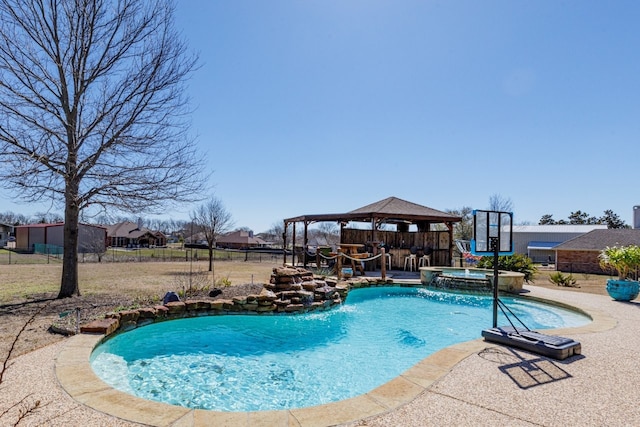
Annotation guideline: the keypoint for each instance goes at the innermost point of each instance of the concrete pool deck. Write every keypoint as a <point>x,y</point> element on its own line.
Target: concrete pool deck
<point>473,383</point>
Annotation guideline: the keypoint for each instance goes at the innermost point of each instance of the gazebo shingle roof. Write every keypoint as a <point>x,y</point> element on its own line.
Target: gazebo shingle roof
<point>391,208</point>
<point>394,206</point>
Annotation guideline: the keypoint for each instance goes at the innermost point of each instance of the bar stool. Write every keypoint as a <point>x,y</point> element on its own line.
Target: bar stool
<point>411,260</point>
<point>425,261</point>
<point>388,261</point>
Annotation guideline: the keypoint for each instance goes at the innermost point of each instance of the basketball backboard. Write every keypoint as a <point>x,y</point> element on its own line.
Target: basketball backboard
<point>492,230</point>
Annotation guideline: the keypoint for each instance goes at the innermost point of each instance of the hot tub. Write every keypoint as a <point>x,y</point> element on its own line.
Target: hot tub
<point>480,279</point>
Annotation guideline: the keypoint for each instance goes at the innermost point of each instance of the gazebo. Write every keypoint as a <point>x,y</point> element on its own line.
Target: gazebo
<point>382,216</point>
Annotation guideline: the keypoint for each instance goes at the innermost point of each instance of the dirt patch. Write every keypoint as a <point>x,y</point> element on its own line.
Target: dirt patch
<point>585,283</point>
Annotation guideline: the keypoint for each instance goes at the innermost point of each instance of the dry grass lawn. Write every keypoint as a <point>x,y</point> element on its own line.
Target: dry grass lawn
<point>146,280</point>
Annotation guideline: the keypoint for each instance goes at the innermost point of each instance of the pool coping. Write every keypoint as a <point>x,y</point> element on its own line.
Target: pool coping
<point>76,377</point>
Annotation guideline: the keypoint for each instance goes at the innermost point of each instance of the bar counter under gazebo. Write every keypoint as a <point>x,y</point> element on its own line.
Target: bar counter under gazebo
<point>400,227</point>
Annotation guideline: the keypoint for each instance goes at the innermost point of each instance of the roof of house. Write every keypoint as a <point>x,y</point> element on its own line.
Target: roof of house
<point>128,229</point>
<point>56,224</point>
<point>240,237</point>
<point>542,245</point>
<point>318,241</point>
<point>40,225</point>
<point>597,240</point>
<point>387,210</point>
<point>558,228</point>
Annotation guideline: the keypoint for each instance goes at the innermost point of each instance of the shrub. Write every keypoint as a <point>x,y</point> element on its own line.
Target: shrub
<point>192,284</point>
<point>561,280</point>
<point>516,262</point>
<point>223,282</point>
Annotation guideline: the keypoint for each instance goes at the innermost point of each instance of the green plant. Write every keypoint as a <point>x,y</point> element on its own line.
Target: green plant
<point>516,262</point>
<point>561,280</point>
<point>223,282</point>
<point>623,259</point>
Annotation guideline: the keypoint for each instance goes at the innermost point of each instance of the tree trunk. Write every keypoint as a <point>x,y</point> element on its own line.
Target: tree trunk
<point>69,284</point>
<point>211,267</point>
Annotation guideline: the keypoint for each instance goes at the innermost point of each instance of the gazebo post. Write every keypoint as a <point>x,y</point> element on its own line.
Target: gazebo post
<point>293,243</point>
<point>373,228</point>
<point>304,245</point>
<point>450,228</point>
<point>284,243</point>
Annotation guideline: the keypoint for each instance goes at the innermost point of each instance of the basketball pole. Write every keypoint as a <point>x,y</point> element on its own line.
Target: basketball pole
<point>492,231</point>
<point>494,245</point>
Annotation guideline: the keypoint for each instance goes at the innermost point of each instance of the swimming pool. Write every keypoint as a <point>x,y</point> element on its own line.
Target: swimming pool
<point>255,363</point>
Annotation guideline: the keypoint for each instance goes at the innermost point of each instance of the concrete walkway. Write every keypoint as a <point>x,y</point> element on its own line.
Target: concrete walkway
<point>475,383</point>
<point>502,386</point>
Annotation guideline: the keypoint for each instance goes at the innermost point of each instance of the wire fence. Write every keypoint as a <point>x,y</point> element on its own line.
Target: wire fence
<point>51,255</point>
<point>49,250</point>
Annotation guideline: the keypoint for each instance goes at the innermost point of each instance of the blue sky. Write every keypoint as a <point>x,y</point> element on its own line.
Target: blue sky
<point>307,107</point>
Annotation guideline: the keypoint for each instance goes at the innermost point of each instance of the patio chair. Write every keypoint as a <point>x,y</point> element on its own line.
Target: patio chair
<point>411,261</point>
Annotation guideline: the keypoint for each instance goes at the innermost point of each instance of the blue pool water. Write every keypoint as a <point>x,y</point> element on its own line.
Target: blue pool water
<point>255,363</point>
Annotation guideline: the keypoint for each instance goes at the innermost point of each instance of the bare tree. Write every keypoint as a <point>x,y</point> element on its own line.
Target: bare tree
<point>500,204</point>
<point>275,234</point>
<point>463,230</point>
<point>93,240</point>
<point>212,219</point>
<point>11,218</point>
<point>329,231</point>
<point>46,217</point>
<point>92,110</point>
